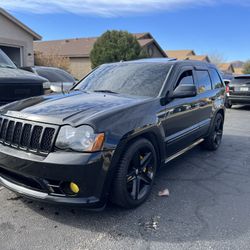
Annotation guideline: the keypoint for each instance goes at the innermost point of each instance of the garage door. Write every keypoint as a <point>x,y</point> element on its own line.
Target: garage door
<point>13,53</point>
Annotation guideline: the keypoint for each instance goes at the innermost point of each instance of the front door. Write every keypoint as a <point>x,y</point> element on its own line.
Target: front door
<point>182,116</point>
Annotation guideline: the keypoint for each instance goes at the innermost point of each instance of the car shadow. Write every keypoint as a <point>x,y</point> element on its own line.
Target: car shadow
<point>241,107</point>
<point>209,200</point>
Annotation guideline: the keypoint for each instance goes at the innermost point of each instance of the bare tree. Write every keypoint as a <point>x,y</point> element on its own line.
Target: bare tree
<point>52,60</point>
<point>217,58</point>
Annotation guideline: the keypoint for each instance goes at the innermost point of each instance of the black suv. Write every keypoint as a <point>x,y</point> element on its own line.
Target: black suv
<point>107,137</point>
<point>16,84</point>
<point>238,91</point>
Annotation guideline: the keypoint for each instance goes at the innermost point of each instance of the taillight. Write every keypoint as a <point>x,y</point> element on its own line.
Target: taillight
<point>227,89</point>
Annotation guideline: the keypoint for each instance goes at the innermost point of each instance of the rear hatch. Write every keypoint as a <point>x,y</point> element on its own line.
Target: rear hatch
<point>240,86</point>
<point>16,84</point>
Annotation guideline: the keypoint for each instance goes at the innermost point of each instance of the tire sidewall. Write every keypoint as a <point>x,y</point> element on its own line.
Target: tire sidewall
<point>127,157</point>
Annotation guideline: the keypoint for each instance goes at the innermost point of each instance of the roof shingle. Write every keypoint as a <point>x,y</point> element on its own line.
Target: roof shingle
<point>81,47</point>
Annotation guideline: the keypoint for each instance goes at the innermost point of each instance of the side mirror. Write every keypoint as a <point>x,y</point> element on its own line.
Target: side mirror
<point>183,91</point>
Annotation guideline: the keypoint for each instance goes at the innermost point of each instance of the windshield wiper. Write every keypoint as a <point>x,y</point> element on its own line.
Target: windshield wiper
<point>105,91</point>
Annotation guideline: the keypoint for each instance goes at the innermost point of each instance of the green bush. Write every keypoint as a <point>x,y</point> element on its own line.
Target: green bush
<point>115,46</point>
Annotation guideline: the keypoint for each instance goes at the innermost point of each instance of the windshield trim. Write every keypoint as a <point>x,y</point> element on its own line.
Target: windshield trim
<point>165,81</point>
<point>169,68</point>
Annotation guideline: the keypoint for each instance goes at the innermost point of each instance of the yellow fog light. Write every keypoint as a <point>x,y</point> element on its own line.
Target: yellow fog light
<point>74,188</point>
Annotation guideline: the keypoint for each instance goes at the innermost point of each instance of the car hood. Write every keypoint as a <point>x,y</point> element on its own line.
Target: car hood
<point>19,76</point>
<point>74,108</point>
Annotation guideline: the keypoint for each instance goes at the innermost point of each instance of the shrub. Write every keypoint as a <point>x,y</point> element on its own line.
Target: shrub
<point>115,46</point>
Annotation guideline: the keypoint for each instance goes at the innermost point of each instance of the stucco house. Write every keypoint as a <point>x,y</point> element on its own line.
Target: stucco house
<point>187,55</point>
<point>226,68</point>
<point>16,39</point>
<point>180,54</point>
<point>78,51</point>
<point>238,71</point>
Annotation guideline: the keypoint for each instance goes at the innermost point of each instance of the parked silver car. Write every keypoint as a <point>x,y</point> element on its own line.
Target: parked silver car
<point>58,80</point>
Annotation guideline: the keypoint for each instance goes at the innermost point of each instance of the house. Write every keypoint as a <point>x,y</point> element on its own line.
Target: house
<point>78,51</point>
<point>203,58</point>
<point>226,68</point>
<point>187,55</point>
<point>16,39</point>
<point>238,71</point>
<point>180,54</point>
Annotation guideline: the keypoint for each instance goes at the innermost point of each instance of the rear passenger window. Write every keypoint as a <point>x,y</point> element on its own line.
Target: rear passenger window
<point>216,80</point>
<point>186,78</point>
<point>204,81</point>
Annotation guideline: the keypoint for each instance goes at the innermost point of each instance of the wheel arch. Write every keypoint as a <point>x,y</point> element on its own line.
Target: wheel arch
<point>219,111</point>
<point>153,135</point>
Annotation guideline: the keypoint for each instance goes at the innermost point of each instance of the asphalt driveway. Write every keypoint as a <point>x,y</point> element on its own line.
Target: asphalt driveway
<point>208,207</point>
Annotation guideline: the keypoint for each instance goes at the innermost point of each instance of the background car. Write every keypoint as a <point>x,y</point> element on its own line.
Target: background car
<point>16,84</point>
<point>238,91</point>
<point>58,80</point>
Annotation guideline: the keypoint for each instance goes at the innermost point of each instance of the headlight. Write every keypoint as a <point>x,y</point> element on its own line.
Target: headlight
<point>46,85</point>
<point>79,139</point>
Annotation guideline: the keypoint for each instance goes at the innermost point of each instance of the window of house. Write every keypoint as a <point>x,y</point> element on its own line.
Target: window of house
<point>204,81</point>
<point>216,80</point>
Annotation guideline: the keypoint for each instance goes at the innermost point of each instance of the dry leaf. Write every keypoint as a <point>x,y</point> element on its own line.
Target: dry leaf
<point>164,192</point>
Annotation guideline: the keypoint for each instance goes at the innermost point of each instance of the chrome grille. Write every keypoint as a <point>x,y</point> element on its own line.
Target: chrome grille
<point>25,135</point>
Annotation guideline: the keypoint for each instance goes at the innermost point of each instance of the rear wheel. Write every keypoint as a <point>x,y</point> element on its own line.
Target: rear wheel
<point>228,105</point>
<point>213,141</point>
<point>135,174</point>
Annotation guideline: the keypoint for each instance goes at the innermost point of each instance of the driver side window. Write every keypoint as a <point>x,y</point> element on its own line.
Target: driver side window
<point>186,78</point>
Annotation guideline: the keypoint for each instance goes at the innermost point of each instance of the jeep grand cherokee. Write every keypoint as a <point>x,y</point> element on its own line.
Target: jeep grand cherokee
<point>108,136</point>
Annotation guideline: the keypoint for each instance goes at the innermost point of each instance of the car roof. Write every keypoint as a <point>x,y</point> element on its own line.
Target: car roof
<point>174,61</point>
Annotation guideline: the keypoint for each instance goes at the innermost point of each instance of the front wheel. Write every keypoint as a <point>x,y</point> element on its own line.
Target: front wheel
<point>135,174</point>
<point>213,141</point>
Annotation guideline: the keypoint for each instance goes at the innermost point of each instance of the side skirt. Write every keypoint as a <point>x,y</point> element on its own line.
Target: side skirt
<point>183,151</point>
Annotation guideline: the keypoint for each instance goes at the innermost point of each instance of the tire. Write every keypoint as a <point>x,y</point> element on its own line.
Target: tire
<point>213,141</point>
<point>135,174</point>
<point>228,105</point>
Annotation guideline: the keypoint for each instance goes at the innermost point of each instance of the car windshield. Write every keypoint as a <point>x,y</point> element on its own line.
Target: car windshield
<point>55,75</point>
<point>5,61</point>
<point>139,79</point>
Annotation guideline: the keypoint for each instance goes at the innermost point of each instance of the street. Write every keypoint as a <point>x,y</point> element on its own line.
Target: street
<point>208,207</point>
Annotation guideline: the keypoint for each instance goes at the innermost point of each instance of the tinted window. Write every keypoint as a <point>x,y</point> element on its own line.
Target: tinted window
<point>54,75</point>
<point>204,82</point>
<point>186,78</point>
<point>216,80</point>
<point>140,79</point>
<point>240,80</point>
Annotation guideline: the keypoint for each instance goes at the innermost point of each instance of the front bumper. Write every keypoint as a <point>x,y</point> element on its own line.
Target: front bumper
<point>44,178</point>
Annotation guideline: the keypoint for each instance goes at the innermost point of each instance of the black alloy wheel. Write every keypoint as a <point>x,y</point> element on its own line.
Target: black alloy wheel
<point>140,173</point>
<point>218,131</point>
<point>213,140</point>
<point>135,174</point>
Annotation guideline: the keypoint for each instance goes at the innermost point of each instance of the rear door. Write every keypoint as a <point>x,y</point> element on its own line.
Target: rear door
<point>206,98</point>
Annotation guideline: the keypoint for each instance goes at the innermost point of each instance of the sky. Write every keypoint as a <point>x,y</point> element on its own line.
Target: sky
<point>207,26</point>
